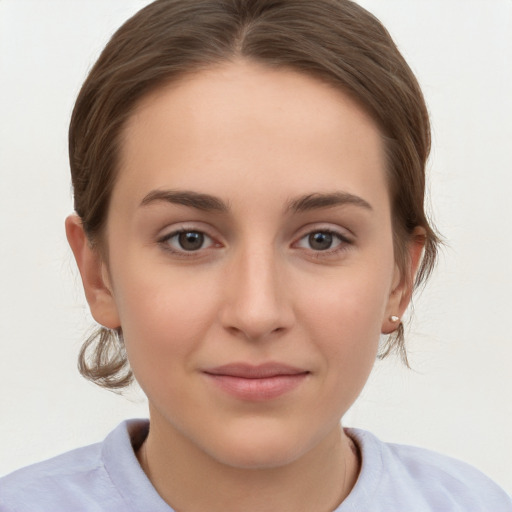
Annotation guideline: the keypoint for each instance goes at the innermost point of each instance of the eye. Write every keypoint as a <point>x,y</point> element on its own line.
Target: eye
<point>187,240</point>
<point>322,240</point>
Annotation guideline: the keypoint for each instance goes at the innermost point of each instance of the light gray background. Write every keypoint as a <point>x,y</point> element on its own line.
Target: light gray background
<point>458,398</point>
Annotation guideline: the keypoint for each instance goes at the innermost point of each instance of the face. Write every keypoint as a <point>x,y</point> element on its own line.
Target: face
<point>250,260</point>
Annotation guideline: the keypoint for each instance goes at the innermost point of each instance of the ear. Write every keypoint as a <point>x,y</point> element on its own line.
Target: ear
<point>93,271</point>
<point>403,282</point>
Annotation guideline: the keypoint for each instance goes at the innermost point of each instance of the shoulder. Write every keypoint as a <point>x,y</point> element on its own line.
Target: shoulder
<point>53,482</point>
<point>77,480</point>
<point>425,480</point>
<point>444,480</point>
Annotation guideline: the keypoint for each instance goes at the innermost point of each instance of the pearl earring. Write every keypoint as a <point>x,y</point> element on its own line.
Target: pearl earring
<point>394,318</point>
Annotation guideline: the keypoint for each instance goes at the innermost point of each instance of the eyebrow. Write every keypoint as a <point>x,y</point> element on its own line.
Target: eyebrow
<point>207,202</point>
<point>319,200</point>
<point>196,200</point>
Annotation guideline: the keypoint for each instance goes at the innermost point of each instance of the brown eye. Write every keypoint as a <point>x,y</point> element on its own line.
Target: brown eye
<point>191,240</point>
<point>185,240</point>
<point>320,241</point>
<point>324,240</point>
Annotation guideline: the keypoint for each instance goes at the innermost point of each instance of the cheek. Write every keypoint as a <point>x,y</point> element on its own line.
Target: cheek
<point>347,327</point>
<point>349,355</point>
<point>164,317</point>
<point>351,301</point>
<point>344,318</point>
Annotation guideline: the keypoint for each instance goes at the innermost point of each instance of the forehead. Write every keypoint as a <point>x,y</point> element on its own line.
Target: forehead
<point>244,124</point>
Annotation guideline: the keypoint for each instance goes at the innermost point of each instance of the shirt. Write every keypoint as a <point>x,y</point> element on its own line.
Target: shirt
<point>107,477</point>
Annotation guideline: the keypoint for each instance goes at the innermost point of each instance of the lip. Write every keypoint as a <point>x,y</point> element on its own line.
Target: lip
<point>256,382</point>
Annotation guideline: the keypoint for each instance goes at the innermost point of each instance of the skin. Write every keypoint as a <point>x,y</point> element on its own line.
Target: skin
<point>257,290</point>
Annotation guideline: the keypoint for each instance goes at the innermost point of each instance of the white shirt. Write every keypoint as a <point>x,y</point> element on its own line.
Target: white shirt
<point>107,477</point>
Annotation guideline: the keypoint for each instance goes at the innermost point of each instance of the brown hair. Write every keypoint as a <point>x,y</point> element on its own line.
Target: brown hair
<point>333,40</point>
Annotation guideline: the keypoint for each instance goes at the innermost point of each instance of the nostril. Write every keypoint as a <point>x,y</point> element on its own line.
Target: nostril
<point>253,333</point>
<point>254,304</point>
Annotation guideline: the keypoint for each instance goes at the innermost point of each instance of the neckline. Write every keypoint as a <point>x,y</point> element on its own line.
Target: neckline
<point>119,454</point>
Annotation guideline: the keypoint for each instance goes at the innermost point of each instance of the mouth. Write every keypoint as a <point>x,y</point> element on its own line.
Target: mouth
<point>256,383</point>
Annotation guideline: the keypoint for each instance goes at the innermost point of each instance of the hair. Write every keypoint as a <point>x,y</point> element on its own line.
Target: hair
<point>336,41</point>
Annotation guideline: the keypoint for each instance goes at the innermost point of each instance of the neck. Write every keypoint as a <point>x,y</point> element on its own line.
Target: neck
<point>190,480</point>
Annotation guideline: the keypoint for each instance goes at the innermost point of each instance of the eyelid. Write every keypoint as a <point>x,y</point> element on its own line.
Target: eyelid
<point>335,235</point>
<point>163,241</point>
<point>345,241</point>
<point>345,237</point>
<point>343,232</point>
<point>181,226</point>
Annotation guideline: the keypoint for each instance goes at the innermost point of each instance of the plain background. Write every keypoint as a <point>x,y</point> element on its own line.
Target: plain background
<point>457,399</point>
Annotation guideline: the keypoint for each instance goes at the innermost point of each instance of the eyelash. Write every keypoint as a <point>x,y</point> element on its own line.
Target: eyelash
<point>343,243</point>
<point>165,242</point>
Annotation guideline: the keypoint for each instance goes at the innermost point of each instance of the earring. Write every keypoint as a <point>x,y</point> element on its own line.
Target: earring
<point>394,318</point>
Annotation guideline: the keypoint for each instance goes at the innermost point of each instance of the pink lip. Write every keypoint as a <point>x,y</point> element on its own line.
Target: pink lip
<point>256,383</point>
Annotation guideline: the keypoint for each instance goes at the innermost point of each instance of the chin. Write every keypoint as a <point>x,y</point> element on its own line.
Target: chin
<point>259,457</point>
<point>260,448</point>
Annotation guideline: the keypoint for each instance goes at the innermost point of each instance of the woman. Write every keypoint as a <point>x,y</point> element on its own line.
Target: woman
<point>249,187</point>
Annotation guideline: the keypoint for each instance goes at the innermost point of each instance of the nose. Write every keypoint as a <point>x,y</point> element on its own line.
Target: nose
<point>256,299</point>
